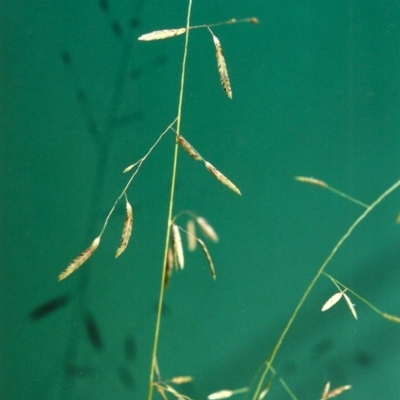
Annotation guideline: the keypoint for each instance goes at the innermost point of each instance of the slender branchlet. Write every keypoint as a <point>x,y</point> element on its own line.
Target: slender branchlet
<point>318,182</point>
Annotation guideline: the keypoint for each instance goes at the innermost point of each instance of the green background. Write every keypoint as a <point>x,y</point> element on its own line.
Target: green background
<point>316,92</point>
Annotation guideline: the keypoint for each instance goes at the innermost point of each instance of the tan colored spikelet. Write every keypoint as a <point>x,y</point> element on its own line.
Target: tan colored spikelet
<point>208,256</point>
<point>207,229</point>
<point>191,235</point>
<point>254,20</point>
<point>189,148</point>
<point>326,390</point>
<point>126,231</point>
<point>223,71</point>
<point>161,391</point>
<point>225,394</point>
<point>179,380</point>
<point>177,246</point>
<point>162,34</point>
<point>169,266</point>
<point>311,181</point>
<point>170,389</point>
<point>332,301</point>
<point>128,168</point>
<point>265,390</point>
<point>336,392</point>
<point>78,261</point>
<point>222,394</point>
<point>222,178</point>
<point>392,318</point>
<point>351,305</point>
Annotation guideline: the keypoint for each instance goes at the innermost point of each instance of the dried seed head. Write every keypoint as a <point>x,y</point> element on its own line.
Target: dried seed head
<point>222,178</point>
<point>332,301</point>
<point>351,305</point>
<point>222,394</point>
<point>254,20</point>
<point>334,392</point>
<point>208,256</point>
<point>179,380</point>
<point>207,230</point>
<point>265,390</point>
<point>189,148</point>
<point>326,390</point>
<point>225,394</point>
<point>191,235</point>
<point>126,231</point>
<point>162,34</point>
<point>392,318</point>
<point>78,261</point>
<point>222,69</point>
<point>177,246</point>
<point>169,266</point>
<point>312,181</point>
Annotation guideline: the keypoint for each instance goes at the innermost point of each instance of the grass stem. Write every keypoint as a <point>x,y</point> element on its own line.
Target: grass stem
<point>170,209</point>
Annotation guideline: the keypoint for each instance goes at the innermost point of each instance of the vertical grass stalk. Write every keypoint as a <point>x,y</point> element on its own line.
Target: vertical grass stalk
<point>170,209</point>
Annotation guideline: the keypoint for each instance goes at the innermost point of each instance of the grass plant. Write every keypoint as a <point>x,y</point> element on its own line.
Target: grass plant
<point>173,253</point>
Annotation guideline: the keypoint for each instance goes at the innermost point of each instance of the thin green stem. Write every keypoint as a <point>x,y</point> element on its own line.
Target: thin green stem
<point>170,209</point>
<point>271,359</point>
<point>346,196</point>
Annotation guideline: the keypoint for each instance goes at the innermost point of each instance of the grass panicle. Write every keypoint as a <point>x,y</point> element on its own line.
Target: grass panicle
<point>126,231</point>
<point>78,261</point>
<point>191,235</point>
<point>222,178</point>
<point>222,68</point>
<point>207,230</point>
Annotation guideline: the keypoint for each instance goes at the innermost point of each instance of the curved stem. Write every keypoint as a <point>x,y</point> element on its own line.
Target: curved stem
<point>271,359</point>
<point>170,209</point>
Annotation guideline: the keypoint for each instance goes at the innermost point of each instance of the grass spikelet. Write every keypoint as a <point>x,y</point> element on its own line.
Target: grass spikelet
<point>207,230</point>
<point>208,256</point>
<point>311,181</point>
<point>177,246</point>
<point>222,394</point>
<point>351,305</point>
<point>326,390</point>
<point>169,267</point>
<point>265,391</point>
<point>126,231</point>
<point>332,301</point>
<point>335,392</point>
<point>189,148</point>
<point>179,380</point>
<point>191,235</point>
<point>162,34</point>
<point>222,178</point>
<point>392,318</point>
<point>222,69</point>
<point>161,391</point>
<point>225,394</point>
<point>78,261</point>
